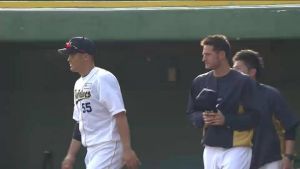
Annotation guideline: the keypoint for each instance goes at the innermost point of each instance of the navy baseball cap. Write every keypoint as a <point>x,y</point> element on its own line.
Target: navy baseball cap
<point>78,45</point>
<point>206,100</point>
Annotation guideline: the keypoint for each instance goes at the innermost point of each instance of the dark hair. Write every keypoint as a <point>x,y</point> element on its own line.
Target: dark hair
<point>219,43</point>
<point>252,60</point>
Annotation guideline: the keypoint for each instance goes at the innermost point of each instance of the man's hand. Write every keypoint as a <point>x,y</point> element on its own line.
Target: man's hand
<point>213,118</point>
<point>130,159</point>
<point>287,163</point>
<point>68,163</point>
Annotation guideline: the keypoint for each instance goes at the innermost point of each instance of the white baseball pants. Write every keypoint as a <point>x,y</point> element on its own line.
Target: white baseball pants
<point>232,158</point>
<point>107,155</point>
<point>272,165</point>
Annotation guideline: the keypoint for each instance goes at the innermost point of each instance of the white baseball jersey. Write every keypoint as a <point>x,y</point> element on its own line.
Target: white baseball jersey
<point>97,98</point>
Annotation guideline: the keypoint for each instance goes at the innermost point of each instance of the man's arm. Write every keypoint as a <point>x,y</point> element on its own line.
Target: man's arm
<point>130,159</point>
<point>247,115</point>
<point>287,161</point>
<point>289,121</point>
<point>75,145</point>
<point>195,117</point>
<point>289,149</point>
<point>69,160</point>
<point>247,120</point>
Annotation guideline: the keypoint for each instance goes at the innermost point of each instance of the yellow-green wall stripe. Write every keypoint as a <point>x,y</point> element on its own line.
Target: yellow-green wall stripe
<point>128,4</point>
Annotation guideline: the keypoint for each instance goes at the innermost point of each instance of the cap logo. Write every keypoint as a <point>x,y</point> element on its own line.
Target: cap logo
<point>68,45</point>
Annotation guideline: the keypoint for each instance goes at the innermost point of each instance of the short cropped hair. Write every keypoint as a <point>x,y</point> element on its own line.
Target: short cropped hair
<point>252,60</point>
<point>219,43</point>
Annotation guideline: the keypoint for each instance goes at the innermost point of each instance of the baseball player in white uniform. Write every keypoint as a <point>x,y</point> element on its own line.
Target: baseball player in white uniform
<point>101,122</point>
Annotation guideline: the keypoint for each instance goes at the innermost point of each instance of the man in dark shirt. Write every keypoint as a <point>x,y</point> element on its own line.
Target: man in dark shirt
<point>222,102</point>
<point>275,116</point>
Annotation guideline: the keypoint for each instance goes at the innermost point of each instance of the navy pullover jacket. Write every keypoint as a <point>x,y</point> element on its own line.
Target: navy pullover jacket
<point>235,96</point>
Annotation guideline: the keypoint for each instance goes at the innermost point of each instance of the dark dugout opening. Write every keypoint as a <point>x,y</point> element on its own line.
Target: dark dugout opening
<point>155,78</point>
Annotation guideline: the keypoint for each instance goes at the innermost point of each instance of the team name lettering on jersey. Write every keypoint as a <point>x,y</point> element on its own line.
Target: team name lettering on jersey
<point>80,95</point>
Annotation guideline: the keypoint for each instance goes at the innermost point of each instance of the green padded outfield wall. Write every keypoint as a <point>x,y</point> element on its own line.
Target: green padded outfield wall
<point>127,24</point>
